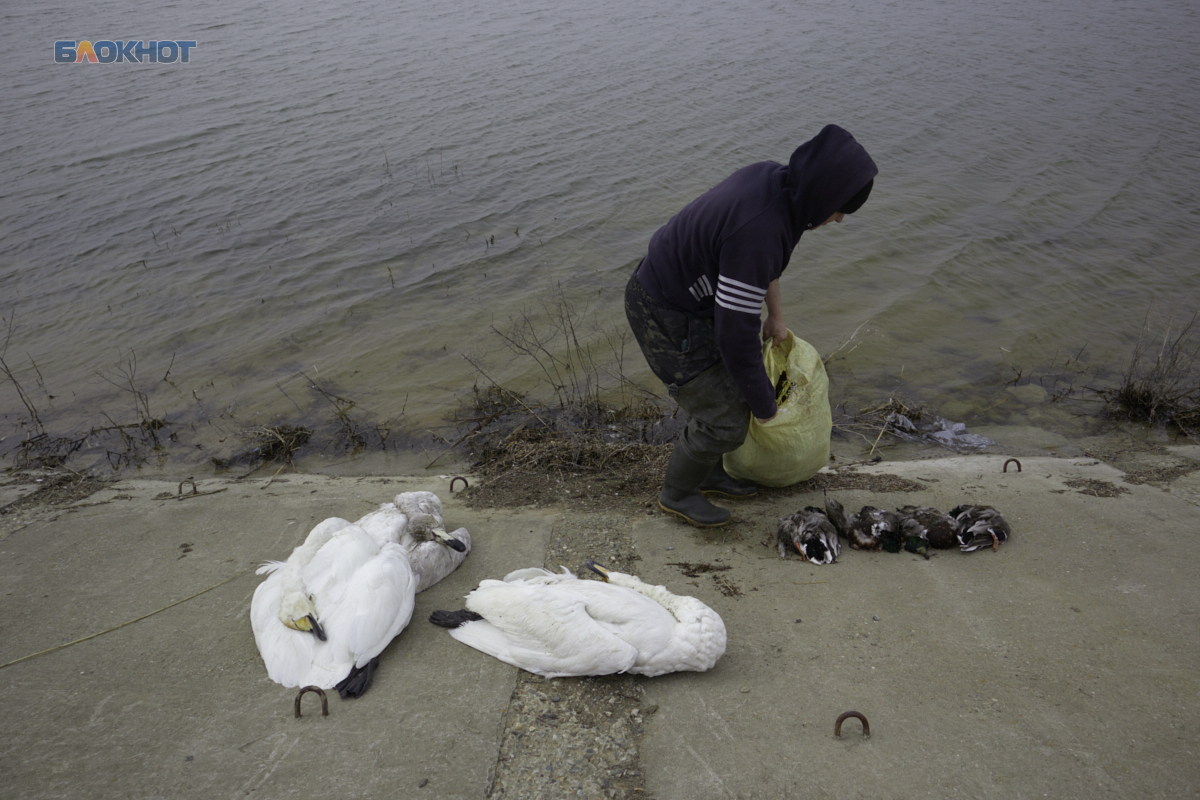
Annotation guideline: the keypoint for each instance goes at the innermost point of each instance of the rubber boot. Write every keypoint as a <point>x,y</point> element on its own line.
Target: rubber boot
<point>681,496</point>
<point>719,482</point>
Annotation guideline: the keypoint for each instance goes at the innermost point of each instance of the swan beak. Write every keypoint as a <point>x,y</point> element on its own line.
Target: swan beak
<point>448,540</point>
<point>309,624</point>
<point>596,568</point>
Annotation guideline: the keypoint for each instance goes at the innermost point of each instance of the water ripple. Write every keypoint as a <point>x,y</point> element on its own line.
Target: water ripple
<point>356,188</point>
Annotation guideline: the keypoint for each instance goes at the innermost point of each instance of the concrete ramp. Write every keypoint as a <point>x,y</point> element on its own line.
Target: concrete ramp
<point>1064,665</point>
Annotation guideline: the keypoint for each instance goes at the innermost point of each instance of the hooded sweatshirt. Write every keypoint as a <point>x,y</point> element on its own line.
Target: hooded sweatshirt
<point>717,257</point>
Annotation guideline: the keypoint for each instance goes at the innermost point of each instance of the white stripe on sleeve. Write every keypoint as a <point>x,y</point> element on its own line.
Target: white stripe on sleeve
<point>733,284</point>
<point>738,296</point>
<point>733,306</point>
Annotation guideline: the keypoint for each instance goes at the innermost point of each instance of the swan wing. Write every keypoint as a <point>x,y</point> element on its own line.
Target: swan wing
<point>376,606</point>
<point>695,646</point>
<point>633,617</point>
<point>672,632</point>
<point>323,531</point>
<point>542,628</point>
<point>387,524</point>
<point>327,576</point>
<point>540,575</point>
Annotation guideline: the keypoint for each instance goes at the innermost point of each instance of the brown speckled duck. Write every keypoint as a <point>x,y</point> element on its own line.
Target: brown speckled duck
<point>936,527</point>
<point>871,527</point>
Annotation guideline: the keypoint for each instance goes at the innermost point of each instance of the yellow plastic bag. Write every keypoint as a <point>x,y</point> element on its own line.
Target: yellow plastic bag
<point>793,445</point>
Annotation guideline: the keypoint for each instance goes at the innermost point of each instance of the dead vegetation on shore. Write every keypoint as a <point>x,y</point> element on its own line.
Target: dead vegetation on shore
<point>1158,387</point>
<point>124,443</point>
<point>136,434</point>
<point>265,444</point>
<point>585,432</point>
<point>872,423</point>
<point>1161,386</point>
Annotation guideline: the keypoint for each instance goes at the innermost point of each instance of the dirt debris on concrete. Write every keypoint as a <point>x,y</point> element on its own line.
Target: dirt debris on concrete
<point>630,481</point>
<point>585,477</point>
<point>572,737</point>
<point>57,491</point>
<point>601,537</point>
<point>1142,462</point>
<point>1096,488</point>
<point>849,479</point>
<point>576,737</point>
<point>694,570</point>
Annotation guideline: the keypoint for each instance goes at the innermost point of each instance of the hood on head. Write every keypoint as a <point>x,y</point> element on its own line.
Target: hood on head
<point>824,173</point>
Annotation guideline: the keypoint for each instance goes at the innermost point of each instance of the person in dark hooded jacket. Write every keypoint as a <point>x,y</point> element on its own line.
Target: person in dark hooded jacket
<point>695,301</point>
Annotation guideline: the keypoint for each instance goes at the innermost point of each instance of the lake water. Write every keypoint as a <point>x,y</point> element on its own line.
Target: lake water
<point>355,194</point>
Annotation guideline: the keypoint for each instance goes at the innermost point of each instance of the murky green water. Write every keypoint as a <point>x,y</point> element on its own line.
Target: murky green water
<point>355,195</point>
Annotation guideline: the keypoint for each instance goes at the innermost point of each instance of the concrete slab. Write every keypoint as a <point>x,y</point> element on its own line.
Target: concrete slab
<point>179,704</point>
<point>11,491</point>
<point>1191,451</point>
<point>1064,665</point>
<point>1187,488</point>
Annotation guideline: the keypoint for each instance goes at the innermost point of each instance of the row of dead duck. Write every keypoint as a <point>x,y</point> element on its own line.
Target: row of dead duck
<point>817,533</point>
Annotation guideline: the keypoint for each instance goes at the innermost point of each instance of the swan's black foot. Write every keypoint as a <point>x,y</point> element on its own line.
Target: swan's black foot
<point>453,619</point>
<point>354,684</point>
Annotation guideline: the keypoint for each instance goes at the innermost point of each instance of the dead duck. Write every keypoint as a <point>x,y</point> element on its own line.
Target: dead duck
<point>812,533</point>
<point>837,516</point>
<point>935,527</point>
<point>911,537</point>
<point>979,526</point>
<point>871,528</point>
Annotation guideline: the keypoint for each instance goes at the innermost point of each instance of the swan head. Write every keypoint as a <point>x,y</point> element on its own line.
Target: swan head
<point>424,512</point>
<point>425,527</point>
<point>598,569</point>
<point>297,612</point>
<point>307,624</point>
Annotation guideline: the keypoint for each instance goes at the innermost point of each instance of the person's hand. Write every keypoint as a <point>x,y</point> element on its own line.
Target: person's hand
<point>775,329</point>
<point>768,419</point>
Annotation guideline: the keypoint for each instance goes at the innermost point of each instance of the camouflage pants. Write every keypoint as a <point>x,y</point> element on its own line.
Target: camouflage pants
<point>681,350</point>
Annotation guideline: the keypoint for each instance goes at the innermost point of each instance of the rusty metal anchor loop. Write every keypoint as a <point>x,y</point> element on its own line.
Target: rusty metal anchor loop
<point>837,726</point>
<point>318,690</point>
<point>195,490</point>
<point>1012,461</point>
<point>458,478</point>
